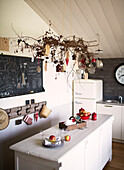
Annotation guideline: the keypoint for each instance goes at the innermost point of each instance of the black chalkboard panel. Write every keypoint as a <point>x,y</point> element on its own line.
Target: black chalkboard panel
<point>19,76</point>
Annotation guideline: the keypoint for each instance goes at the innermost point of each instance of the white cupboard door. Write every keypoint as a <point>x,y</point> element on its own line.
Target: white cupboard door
<point>88,105</point>
<point>90,89</point>
<point>105,144</point>
<point>91,152</point>
<point>85,90</point>
<point>112,110</point>
<point>122,121</point>
<point>74,159</point>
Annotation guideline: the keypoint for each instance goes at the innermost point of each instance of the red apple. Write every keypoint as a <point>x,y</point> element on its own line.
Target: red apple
<point>85,114</point>
<point>81,114</point>
<point>67,137</point>
<point>88,113</point>
<point>52,138</point>
<point>81,110</point>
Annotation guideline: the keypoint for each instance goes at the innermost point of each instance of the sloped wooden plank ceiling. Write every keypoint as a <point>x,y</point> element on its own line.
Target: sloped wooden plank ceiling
<point>86,19</point>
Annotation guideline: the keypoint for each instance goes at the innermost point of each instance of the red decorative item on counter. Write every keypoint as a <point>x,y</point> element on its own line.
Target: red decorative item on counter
<point>36,116</point>
<point>94,116</point>
<point>72,118</point>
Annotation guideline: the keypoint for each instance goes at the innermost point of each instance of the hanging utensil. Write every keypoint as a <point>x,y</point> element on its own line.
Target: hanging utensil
<point>38,67</point>
<point>47,48</point>
<point>91,69</point>
<point>99,63</point>
<point>99,48</point>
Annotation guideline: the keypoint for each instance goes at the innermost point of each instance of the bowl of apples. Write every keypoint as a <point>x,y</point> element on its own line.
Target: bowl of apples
<point>83,114</point>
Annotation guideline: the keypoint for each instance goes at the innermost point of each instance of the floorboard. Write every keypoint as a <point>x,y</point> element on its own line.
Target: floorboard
<point>117,162</point>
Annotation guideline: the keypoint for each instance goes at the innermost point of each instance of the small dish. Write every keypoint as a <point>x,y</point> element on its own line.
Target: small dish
<point>83,117</point>
<point>50,144</point>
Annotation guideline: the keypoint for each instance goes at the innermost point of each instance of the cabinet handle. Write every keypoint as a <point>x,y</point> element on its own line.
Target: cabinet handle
<point>78,93</point>
<point>76,102</point>
<point>86,144</point>
<point>108,106</point>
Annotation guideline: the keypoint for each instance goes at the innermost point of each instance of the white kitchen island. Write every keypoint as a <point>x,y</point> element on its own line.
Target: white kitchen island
<point>89,149</point>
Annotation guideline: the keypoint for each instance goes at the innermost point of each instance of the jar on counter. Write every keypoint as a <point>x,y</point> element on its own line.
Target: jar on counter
<point>94,116</point>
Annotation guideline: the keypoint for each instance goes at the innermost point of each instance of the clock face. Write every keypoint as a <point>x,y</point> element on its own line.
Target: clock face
<point>119,74</point>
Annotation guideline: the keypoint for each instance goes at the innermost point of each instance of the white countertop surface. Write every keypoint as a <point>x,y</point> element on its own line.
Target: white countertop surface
<point>33,145</point>
<point>109,103</point>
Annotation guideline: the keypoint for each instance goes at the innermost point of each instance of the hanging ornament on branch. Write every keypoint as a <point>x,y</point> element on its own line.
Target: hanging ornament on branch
<point>67,58</point>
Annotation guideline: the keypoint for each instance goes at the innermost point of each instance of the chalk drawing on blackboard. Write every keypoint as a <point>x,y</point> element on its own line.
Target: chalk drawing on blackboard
<point>3,63</point>
<point>34,84</point>
<point>20,76</point>
<point>39,83</point>
<point>13,68</point>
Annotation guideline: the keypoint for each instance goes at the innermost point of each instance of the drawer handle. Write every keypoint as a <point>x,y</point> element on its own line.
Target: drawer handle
<point>78,93</point>
<point>76,102</point>
<point>108,106</point>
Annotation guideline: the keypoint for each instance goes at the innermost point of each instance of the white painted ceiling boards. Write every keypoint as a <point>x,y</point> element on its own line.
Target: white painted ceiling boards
<point>86,19</point>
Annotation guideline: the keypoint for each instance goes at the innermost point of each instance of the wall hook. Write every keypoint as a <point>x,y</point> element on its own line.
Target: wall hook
<point>35,108</point>
<point>28,109</point>
<point>8,111</point>
<point>18,111</point>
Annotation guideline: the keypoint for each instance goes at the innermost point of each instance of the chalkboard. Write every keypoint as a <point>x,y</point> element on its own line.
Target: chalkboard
<point>19,76</point>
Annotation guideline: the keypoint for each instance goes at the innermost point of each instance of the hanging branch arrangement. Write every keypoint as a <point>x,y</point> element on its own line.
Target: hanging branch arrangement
<point>58,50</point>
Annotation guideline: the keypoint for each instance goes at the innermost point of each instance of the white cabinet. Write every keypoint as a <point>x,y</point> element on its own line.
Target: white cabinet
<point>116,111</point>
<point>86,93</point>
<point>122,115</point>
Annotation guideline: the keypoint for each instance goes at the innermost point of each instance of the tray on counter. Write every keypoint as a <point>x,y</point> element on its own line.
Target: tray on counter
<point>72,127</point>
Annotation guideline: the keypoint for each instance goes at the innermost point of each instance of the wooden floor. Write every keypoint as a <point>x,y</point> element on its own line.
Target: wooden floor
<point>117,162</point>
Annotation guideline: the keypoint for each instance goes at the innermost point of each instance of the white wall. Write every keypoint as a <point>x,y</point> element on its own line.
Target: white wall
<point>58,93</point>
<point>26,22</point>
<point>24,19</point>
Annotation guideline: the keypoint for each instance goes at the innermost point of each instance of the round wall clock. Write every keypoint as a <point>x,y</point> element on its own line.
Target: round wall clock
<point>119,74</point>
